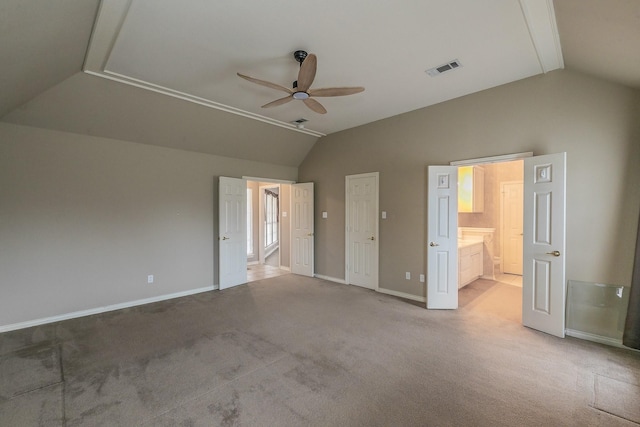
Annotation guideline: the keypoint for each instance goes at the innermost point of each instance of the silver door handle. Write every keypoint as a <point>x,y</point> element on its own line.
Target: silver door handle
<point>432,244</point>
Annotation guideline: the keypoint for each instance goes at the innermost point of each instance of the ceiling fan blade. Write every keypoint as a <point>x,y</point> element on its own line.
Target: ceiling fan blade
<point>265,83</point>
<point>314,105</point>
<point>278,102</point>
<point>307,72</point>
<point>335,91</point>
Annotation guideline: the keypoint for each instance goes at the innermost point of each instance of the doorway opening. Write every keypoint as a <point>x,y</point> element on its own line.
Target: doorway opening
<point>490,237</point>
<point>543,293</point>
<point>268,236</point>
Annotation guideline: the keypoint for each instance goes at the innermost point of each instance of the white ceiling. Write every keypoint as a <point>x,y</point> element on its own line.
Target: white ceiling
<point>193,49</point>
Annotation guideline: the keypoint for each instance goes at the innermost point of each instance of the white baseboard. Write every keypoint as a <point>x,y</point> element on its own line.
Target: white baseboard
<point>402,295</point>
<point>330,279</point>
<point>596,338</point>
<point>253,262</point>
<point>98,310</point>
<point>282,267</point>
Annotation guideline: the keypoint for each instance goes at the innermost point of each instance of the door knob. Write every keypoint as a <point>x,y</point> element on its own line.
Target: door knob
<point>372,238</point>
<point>224,238</point>
<point>310,234</point>
<point>433,244</point>
<point>554,253</point>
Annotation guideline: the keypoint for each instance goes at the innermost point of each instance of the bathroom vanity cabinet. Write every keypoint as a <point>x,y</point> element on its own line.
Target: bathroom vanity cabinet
<point>470,189</point>
<point>469,262</point>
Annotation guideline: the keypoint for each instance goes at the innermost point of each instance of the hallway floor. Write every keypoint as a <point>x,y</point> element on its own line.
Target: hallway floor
<point>263,271</point>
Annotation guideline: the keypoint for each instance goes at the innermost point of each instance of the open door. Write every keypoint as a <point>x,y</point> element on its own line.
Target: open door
<point>543,273</point>
<point>232,229</point>
<point>302,229</point>
<point>442,252</point>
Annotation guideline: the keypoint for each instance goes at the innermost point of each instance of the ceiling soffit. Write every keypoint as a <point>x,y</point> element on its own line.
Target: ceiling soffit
<point>192,51</point>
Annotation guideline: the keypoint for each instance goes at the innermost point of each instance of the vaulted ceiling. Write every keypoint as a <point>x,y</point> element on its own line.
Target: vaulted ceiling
<point>163,72</point>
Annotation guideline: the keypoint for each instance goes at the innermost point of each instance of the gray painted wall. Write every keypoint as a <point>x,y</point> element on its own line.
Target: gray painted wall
<point>595,122</point>
<point>84,220</point>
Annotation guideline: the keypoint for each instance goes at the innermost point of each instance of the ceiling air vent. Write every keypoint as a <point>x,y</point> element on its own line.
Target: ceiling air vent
<point>444,68</point>
<point>299,123</point>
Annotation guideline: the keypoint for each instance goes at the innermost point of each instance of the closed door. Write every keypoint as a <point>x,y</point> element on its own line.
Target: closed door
<point>362,230</point>
<point>232,228</point>
<point>512,216</point>
<point>302,229</point>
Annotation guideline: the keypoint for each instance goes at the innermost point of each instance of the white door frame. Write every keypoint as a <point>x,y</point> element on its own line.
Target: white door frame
<point>376,254</point>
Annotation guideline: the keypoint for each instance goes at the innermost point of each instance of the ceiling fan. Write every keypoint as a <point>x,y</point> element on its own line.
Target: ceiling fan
<point>302,87</point>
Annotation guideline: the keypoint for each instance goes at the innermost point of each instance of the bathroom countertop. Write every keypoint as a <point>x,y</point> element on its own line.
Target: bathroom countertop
<point>463,243</point>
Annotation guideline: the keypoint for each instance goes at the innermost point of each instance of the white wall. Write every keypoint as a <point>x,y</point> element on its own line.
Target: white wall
<point>84,220</point>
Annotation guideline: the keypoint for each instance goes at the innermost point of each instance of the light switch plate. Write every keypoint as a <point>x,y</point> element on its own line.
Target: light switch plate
<point>324,214</point>
<point>384,214</point>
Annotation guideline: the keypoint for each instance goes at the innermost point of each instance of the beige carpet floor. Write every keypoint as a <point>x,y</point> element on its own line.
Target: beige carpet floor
<point>296,351</point>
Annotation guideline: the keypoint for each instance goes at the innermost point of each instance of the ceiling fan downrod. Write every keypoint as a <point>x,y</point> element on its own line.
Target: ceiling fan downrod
<point>300,56</point>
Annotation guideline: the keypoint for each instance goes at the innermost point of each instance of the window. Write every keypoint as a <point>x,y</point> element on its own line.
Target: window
<point>270,218</point>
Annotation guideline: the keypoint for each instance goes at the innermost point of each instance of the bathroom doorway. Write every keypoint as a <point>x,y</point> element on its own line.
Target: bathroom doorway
<point>490,228</point>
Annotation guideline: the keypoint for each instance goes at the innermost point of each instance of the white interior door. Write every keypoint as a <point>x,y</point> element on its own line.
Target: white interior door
<point>232,230</point>
<point>442,249</point>
<point>302,229</point>
<point>512,217</point>
<point>543,281</point>
<point>362,230</point>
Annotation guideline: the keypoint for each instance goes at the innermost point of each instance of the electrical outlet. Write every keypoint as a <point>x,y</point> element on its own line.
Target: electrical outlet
<point>407,275</point>
<point>150,278</point>
<point>422,278</point>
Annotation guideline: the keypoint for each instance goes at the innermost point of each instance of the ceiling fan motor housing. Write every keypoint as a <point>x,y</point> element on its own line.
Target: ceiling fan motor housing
<point>300,55</point>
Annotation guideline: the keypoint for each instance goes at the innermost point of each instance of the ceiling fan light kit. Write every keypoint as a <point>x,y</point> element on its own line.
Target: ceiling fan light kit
<point>302,86</point>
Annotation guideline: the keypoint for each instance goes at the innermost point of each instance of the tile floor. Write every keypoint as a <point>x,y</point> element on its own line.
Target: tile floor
<point>263,271</point>
<point>509,279</point>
